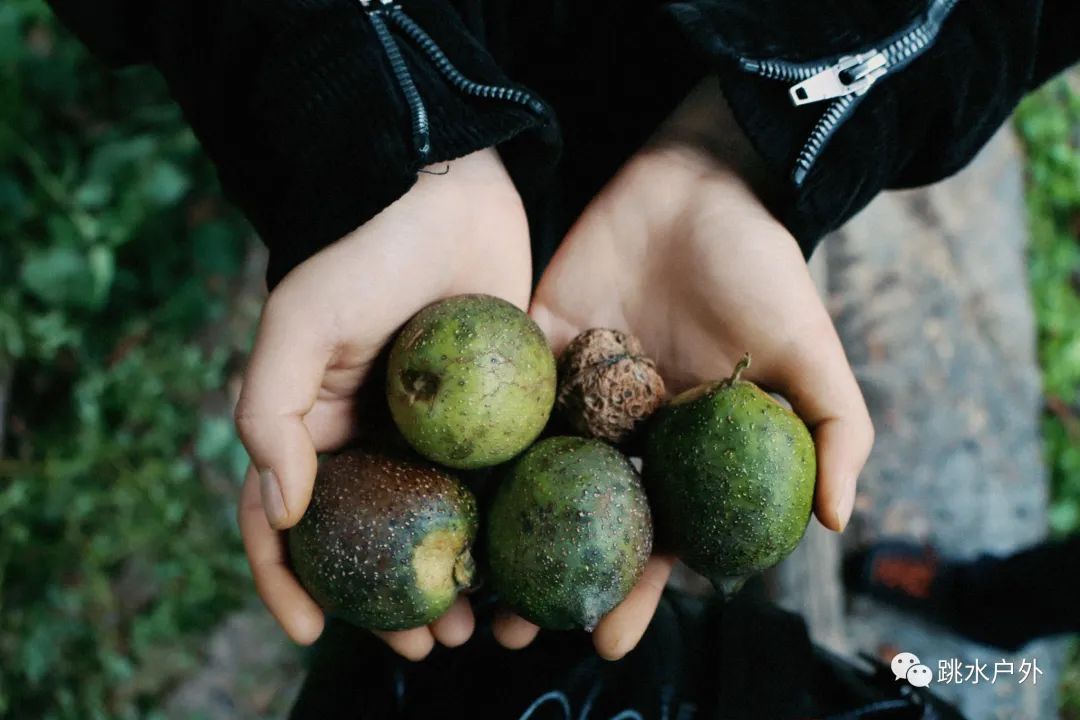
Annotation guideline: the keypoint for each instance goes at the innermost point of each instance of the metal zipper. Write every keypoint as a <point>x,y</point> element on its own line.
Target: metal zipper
<point>377,10</point>
<point>454,76</point>
<point>845,80</point>
<point>417,109</point>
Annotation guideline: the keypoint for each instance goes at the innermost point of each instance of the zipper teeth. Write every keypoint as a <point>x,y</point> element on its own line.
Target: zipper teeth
<point>417,110</point>
<point>916,39</point>
<point>454,76</point>
<point>908,46</point>
<point>781,69</point>
<point>823,130</point>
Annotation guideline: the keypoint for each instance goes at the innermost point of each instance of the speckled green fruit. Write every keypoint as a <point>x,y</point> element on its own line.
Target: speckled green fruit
<point>471,381</point>
<point>568,533</point>
<point>731,475</point>
<point>386,541</point>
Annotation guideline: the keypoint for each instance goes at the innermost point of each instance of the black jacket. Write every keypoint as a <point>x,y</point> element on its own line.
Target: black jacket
<point>299,105</point>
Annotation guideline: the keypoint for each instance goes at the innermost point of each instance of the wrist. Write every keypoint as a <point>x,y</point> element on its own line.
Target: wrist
<point>704,126</point>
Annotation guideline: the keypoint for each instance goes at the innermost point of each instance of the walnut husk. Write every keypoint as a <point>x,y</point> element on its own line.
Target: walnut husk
<point>607,385</point>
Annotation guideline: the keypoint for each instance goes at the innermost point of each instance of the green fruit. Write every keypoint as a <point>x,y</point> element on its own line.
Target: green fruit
<point>568,533</point>
<point>471,381</point>
<point>385,542</point>
<point>731,475</point>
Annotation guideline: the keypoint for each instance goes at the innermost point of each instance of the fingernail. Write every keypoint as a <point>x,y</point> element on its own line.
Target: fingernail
<point>846,504</point>
<point>272,499</point>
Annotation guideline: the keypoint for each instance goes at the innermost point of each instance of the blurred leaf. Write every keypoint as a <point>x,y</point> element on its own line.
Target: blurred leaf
<point>216,249</point>
<point>102,270</point>
<point>216,437</point>
<point>93,194</point>
<point>59,276</point>
<point>13,200</point>
<point>165,183</point>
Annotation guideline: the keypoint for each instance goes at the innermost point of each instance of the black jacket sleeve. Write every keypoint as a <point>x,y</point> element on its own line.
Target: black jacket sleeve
<point>915,126</point>
<point>299,106</point>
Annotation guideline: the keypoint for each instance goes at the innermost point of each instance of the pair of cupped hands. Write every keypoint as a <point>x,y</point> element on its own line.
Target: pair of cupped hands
<point>677,249</point>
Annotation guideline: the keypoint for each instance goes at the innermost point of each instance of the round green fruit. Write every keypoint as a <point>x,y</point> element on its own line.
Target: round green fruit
<point>471,381</point>
<point>568,533</point>
<point>385,542</point>
<point>731,475</point>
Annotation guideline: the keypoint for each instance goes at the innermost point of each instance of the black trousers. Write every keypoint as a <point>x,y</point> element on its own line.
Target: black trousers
<point>1009,601</point>
<point>746,659</point>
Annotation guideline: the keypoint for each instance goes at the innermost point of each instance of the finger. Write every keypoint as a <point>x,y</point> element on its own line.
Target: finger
<point>331,424</point>
<point>621,629</point>
<point>824,393</point>
<point>291,606</point>
<point>412,644</point>
<point>513,632</point>
<point>280,387</point>
<point>456,626</point>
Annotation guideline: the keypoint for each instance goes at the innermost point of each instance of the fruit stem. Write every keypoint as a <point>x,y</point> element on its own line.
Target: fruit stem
<point>737,374</point>
<point>728,587</point>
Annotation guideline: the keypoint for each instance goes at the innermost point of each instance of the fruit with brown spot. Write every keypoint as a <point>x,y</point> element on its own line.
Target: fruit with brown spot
<point>386,541</point>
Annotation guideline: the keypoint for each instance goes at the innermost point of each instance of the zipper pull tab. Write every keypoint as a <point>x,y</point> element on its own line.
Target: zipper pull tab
<point>853,74</point>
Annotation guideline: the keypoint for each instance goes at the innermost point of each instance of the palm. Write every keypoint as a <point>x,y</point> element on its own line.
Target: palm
<point>678,251</point>
<point>682,278</point>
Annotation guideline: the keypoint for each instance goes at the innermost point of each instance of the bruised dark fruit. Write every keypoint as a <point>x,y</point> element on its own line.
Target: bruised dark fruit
<point>607,386</point>
<point>568,533</point>
<point>731,475</point>
<point>385,542</point>
<point>471,381</point>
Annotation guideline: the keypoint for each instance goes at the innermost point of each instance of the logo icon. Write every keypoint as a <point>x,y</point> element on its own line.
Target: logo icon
<point>919,676</point>
<point>906,666</point>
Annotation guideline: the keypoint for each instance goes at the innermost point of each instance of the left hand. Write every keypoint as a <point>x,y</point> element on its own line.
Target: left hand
<point>679,251</point>
<point>321,333</point>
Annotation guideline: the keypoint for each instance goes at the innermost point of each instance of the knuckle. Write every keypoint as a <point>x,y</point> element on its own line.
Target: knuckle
<point>246,421</point>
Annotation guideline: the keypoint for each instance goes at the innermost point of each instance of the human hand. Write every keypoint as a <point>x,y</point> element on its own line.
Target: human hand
<point>321,330</point>
<point>679,251</point>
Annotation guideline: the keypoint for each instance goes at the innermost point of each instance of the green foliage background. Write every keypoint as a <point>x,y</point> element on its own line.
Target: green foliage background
<point>118,549</point>
<point>116,256</point>
<point>1049,125</point>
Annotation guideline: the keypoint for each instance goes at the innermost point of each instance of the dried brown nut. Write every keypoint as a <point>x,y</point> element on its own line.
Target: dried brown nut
<point>607,386</point>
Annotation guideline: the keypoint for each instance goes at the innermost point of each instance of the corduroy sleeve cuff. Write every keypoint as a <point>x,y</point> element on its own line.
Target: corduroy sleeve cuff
<point>918,123</point>
<point>301,109</point>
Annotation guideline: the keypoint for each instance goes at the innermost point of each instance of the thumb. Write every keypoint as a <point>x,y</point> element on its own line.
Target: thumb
<point>280,387</point>
<point>823,391</point>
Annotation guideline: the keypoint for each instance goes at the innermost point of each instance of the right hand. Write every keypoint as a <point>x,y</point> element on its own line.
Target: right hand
<point>679,250</point>
<point>320,332</point>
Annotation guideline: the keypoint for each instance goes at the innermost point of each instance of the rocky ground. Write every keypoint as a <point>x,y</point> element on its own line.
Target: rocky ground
<point>928,290</point>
